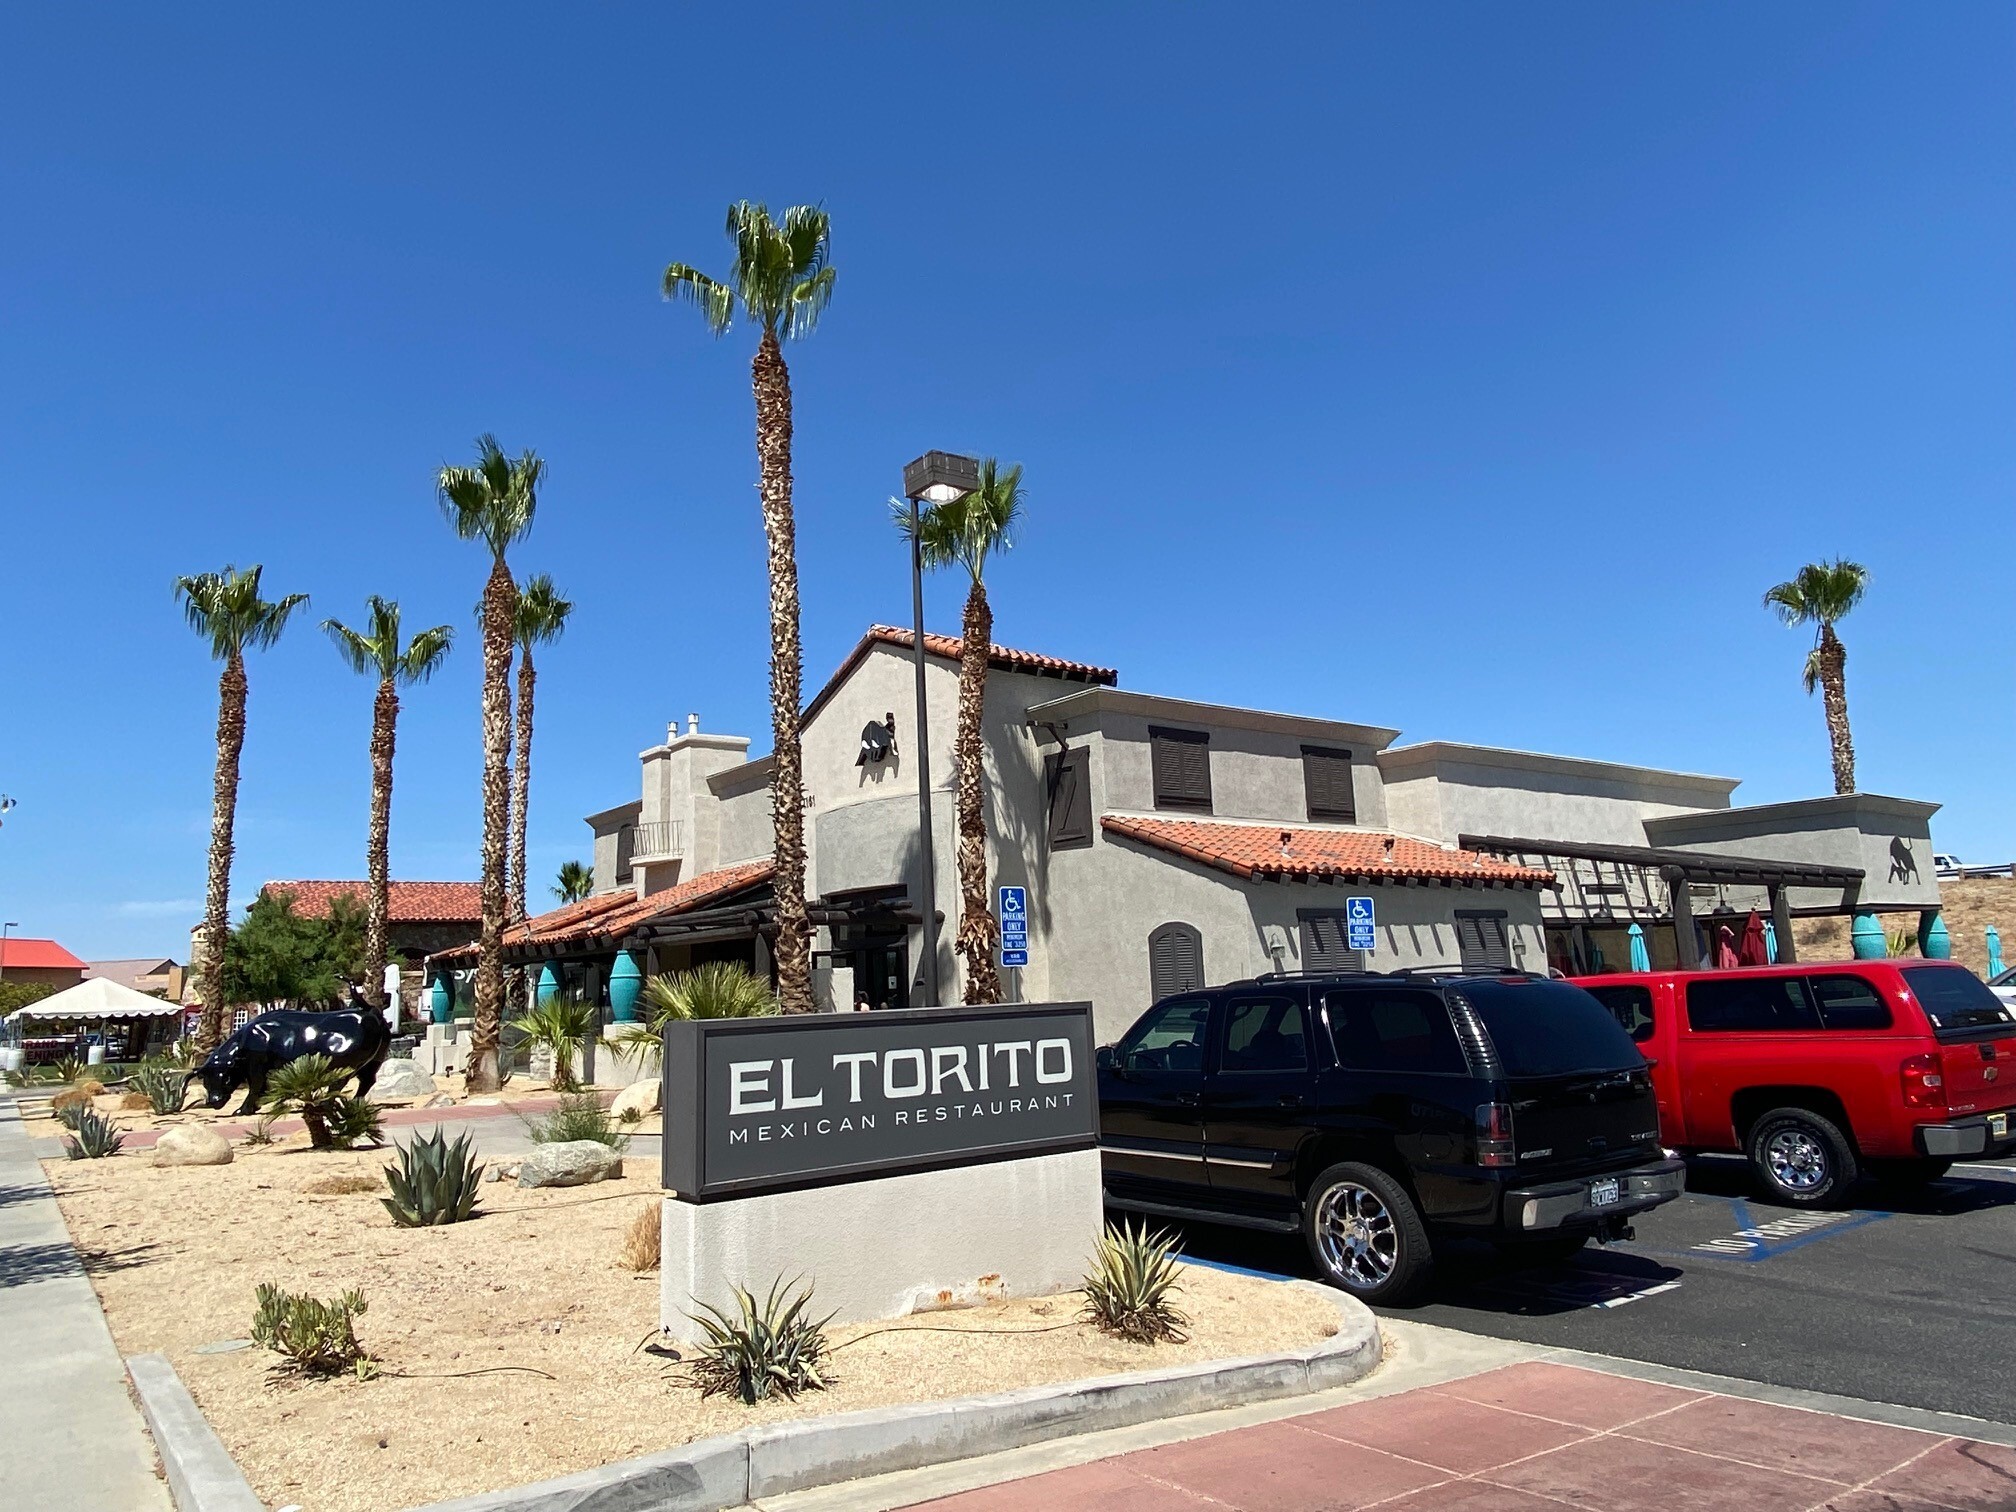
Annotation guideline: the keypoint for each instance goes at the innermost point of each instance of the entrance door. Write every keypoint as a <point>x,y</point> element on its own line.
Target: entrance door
<point>881,972</point>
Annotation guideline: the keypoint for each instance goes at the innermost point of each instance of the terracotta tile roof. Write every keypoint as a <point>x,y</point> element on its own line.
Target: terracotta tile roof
<point>38,955</point>
<point>606,918</point>
<point>950,646</point>
<point>406,902</point>
<point>1277,852</point>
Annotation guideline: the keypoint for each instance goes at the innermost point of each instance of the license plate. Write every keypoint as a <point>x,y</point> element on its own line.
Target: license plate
<point>1603,1193</point>
<point>1998,1125</point>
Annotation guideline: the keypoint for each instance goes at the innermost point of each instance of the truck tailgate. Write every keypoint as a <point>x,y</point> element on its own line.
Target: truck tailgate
<point>1980,1073</point>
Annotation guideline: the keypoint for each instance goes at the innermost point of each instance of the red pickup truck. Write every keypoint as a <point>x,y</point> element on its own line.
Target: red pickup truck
<point>1819,1072</point>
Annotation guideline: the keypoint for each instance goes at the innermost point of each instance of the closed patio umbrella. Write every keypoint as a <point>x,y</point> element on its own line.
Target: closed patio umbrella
<point>1751,952</point>
<point>1995,966</point>
<point>1770,942</point>
<point>1725,948</point>
<point>1641,960</point>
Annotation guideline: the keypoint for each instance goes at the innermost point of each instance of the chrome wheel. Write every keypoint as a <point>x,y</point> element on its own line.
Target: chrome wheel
<point>1796,1159</point>
<point>1357,1234</point>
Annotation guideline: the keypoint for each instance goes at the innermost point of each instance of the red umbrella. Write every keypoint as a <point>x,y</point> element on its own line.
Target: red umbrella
<point>1751,952</point>
<point>1725,947</point>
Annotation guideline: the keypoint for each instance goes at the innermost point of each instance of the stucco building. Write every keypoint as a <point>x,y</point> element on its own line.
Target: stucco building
<point>1165,843</point>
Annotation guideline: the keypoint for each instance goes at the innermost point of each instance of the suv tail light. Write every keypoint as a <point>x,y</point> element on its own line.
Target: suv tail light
<point>1924,1085</point>
<point>1494,1135</point>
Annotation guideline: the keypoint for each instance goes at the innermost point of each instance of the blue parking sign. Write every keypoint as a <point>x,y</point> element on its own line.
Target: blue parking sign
<point>1359,924</point>
<point>1014,910</point>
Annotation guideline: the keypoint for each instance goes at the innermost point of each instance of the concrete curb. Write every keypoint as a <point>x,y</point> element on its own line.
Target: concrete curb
<point>718,1473</point>
<point>202,1476</point>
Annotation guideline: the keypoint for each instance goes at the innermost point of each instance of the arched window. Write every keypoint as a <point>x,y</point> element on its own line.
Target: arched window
<point>1175,960</point>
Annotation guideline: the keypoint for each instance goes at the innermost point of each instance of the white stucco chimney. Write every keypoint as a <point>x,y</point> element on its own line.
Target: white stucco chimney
<point>692,724</point>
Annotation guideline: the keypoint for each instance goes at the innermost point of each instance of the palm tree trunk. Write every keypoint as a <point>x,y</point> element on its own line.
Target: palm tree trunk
<point>792,948</point>
<point>978,931</point>
<point>231,694</point>
<point>521,794</point>
<point>378,858</point>
<point>1834,695</point>
<point>500,600</point>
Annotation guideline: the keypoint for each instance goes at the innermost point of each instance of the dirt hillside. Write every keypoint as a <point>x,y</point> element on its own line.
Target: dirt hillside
<point>1971,905</point>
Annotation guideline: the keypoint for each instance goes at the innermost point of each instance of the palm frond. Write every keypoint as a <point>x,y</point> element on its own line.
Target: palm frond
<point>226,610</point>
<point>976,525</point>
<point>1820,592</point>
<point>782,279</point>
<point>715,301</point>
<point>495,500</point>
<point>1811,675</point>
<point>542,612</point>
<point>425,653</point>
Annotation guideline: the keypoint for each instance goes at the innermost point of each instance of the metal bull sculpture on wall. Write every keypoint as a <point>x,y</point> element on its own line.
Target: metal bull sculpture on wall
<point>355,1040</point>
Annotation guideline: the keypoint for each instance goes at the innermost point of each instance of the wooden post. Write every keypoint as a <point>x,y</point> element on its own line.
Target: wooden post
<point>1781,925</point>
<point>1684,938</point>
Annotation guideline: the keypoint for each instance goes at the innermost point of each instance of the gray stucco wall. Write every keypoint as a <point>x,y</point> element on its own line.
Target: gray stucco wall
<point>1442,791</point>
<point>1889,838</point>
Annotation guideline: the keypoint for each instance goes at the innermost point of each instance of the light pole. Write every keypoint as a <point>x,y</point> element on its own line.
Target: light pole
<point>934,478</point>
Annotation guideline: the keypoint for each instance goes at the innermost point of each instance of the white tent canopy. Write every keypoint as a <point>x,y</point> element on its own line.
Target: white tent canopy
<point>96,998</point>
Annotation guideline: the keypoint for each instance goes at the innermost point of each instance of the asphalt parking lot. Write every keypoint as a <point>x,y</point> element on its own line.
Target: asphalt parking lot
<point>1908,1299</point>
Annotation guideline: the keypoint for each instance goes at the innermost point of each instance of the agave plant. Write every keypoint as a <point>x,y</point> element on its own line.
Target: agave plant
<point>774,1347</point>
<point>560,1024</point>
<point>713,990</point>
<point>68,1069</point>
<point>161,1084</point>
<point>316,1337</point>
<point>1128,1289</point>
<point>68,1114</point>
<point>435,1182</point>
<point>95,1138</point>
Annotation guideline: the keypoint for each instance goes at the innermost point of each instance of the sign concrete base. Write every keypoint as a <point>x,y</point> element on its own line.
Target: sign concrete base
<point>889,1246</point>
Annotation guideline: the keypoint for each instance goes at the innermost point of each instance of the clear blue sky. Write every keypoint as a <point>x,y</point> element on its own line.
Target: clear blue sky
<point>1470,369</point>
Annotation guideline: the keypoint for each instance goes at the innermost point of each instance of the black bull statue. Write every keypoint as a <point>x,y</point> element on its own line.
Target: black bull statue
<point>355,1040</point>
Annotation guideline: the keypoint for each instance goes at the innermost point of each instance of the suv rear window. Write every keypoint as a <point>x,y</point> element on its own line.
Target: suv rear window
<point>1375,1029</point>
<point>1550,1028</point>
<point>1954,998</point>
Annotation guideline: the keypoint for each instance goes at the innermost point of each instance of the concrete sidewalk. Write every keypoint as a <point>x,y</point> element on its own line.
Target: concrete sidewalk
<point>73,1436</point>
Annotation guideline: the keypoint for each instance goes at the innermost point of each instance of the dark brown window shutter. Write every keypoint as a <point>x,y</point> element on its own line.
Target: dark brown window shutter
<point>1182,764</point>
<point>1481,944</point>
<point>1323,948</point>
<point>1326,775</point>
<point>1175,961</point>
<point>1067,779</point>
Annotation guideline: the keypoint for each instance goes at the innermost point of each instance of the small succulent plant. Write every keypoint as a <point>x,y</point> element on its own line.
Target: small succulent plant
<point>1132,1279</point>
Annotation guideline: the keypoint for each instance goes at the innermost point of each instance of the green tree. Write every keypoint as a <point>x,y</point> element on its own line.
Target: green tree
<point>541,616</point>
<point>225,609</point>
<point>1821,594</point>
<point>494,502</point>
<point>965,532</point>
<point>574,883</point>
<point>277,956</point>
<point>782,282</point>
<point>377,652</point>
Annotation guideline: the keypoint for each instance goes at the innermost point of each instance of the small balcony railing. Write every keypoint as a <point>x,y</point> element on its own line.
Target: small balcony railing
<point>660,839</point>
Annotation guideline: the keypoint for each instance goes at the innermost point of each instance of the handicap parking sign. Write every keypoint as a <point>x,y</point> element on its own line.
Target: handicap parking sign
<point>1014,906</point>
<point>1359,924</point>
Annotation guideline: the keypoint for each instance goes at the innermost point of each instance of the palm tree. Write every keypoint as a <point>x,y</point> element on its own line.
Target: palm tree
<point>574,883</point>
<point>376,651</point>
<point>1821,594</point>
<point>493,502</point>
<point>964,532</point>
<point>783,283</point>
<point>226,610</point>
<point>541,616</point>
<point>711,990</point>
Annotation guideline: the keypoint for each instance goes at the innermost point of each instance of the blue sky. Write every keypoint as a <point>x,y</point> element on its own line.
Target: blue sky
<point>1466,368</point>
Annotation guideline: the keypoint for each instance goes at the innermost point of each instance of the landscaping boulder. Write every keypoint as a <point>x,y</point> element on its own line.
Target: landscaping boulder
<point>191,1144</point>
<point>574,1162</point>
<point>639,1097</point>
<point>401,1079</point>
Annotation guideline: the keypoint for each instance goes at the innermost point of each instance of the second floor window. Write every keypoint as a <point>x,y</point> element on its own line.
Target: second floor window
<point>1182,761</point>
<point>1326,775</point>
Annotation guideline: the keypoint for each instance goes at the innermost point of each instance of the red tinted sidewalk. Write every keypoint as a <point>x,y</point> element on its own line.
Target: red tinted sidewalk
<point>1536,1437</point>
<point>392,1118</point>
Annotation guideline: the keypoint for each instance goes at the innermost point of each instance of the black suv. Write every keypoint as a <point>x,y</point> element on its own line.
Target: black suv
<point>1373,1111</point>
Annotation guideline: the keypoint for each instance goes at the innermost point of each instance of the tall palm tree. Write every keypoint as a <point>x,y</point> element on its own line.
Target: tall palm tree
<point>376,651</point>
<point>226,610</point>
<point>964,532</point>
<point>782,282</point>
<point>493,502</point>
<point>575,882</point>
<point>541,616</point>
<point>1821,594</point>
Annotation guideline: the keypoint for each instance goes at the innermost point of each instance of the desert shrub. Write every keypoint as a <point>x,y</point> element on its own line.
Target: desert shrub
<point>182,1053</point>
<point>311,1086</point>
<point>435,1182</point>
<point>580,1116</point>
<point>1128,1289</point>
<point>771,1348</point>
<point>712,990</point>
<point>78,1096</point>
<point>261,1133</point>
<point>315,1337</point>
<point>95,1138</point>
<point>68,1069</point>
<point>339,1186</point>
<point>354,1120</point>
<point>560,1024</point>
<point>630,1116</point>
<point>641,1242</point>
<point>135,1102</point>
<point>161,1084</point>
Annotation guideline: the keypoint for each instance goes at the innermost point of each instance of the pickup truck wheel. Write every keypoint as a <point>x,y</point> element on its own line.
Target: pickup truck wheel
<point>1364,1233</point>
<point>1802,1158</point>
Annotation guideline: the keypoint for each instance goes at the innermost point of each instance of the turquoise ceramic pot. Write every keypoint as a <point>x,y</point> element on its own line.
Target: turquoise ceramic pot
<point>626,981</point>
<point>1933,941</point>
<point>549,984</point>
<point>441,1000</point>
<point>1867,938</point>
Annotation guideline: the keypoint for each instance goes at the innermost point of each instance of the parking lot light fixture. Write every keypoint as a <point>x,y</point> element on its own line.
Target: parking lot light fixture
<point>935,478</point>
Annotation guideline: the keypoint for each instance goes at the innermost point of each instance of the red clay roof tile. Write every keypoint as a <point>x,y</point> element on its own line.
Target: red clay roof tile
<point>1278,851</point>
<point>22,954</point>
<point>406,902</point>
<point>608,917</point>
